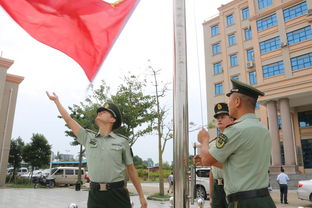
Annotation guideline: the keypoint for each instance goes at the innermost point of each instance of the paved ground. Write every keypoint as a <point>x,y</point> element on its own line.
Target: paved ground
<point>62,197</point>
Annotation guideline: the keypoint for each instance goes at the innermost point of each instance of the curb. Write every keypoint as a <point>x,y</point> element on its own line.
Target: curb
<point>157,199</point>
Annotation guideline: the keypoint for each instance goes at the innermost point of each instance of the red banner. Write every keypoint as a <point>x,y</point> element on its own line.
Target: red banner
<point>85,30</point>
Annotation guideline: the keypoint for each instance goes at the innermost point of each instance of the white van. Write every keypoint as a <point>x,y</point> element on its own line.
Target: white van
<point>66,175</point>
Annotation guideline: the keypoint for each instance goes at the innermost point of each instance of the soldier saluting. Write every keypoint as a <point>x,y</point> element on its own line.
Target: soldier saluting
<point>244,148</point>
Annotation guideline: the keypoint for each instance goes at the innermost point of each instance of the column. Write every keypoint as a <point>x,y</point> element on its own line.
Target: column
<point>273,128</point>
<point>287,132</point>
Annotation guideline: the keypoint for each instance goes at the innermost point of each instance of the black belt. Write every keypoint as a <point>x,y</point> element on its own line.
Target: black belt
<point>248,194</point>
<point>106,186</point>
<point>219,181</point>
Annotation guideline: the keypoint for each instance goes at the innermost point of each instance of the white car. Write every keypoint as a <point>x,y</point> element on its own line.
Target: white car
<point>202,182</point>
<point>304,190</point>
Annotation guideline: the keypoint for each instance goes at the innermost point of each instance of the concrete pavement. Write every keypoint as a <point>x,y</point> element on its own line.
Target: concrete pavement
<point>62,197</point>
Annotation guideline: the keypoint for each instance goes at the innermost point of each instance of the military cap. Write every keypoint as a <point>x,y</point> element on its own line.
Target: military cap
<point>114,110</point>
<point>221,108</point>
<point>243,88</point>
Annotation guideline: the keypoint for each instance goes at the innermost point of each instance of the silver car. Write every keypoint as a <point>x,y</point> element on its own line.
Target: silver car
<point>202,182</point>
<point>305,190</point>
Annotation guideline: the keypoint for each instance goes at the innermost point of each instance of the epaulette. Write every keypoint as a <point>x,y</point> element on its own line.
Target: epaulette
<point>122,136</point>
<point>89,130</point>
<point>231,124</point>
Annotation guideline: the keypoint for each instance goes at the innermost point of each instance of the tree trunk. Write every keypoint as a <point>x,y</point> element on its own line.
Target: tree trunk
<point>161,173</point>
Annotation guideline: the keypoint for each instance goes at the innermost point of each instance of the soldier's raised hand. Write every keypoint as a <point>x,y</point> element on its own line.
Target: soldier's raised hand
<point>53,97</point>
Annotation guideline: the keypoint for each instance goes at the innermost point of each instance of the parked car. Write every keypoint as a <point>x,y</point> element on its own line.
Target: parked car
<point>66,175</point>
<point>304,190</point>
<point>202,182</point>
<point>19,171</point>
<point>36,173</point>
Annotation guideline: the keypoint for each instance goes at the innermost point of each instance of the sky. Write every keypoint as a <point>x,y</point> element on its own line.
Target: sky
<point>147,38</point>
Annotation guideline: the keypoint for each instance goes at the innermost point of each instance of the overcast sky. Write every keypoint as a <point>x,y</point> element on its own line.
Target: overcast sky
<point>148,35</point>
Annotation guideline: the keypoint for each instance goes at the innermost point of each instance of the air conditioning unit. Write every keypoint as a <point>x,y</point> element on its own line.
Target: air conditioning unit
<point>250,64</point>
<point>283,44</point>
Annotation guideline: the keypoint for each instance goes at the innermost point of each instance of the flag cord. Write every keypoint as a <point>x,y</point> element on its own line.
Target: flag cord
<point>198,66</point>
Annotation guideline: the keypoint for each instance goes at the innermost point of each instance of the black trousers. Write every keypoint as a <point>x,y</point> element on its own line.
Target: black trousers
<point>283,191</point>
<point>218,196</point>
<point>114,198</point>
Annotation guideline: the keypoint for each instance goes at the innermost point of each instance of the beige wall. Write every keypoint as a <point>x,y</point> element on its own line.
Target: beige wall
<point>8,94</point>
<point>295,86</point>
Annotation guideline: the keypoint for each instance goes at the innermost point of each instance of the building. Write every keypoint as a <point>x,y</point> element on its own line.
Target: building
<point>8,93</point>
<point>267,44</point>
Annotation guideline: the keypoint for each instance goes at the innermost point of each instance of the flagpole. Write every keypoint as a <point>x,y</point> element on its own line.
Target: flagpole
<point>180,108</point>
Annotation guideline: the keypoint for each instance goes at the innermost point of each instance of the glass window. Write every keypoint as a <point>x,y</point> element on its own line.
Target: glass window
<point>279,122</point>
<point>59,172</point>
<point>69,171</point>
<point>267,22</point>
<point>295,11</point>
<point>300,62</point>
<point>77,172</point>
<point>219,89</point>
<point>233,60</point>
<point>245,13</point>
<point>214,30</point>
<point>230,20</point>
<point>217,68</point>
<point>264,3</point>
<point>306,145</point>
<point>273,69</point>
<point>232,39</point>
<point>248,34</point>
<point>299,35</point>
<point>305,118</point>
<point>250,55</point>
<point>282,154</point>
<point>203,173</point>
<point>252,78</point>
<point>270,45</point>
<point>216,49</point>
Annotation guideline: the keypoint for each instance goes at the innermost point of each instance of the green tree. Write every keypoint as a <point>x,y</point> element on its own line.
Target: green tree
<point>138,162</point>
<point>37,153</point>
<point>15,155</point>
<point>136,108</point>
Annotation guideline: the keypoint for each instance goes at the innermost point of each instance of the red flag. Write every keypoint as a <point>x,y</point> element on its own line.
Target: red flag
<point>83,29</point>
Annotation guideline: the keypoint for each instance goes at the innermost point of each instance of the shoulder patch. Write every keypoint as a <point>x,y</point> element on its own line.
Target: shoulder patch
<point>221,141</point>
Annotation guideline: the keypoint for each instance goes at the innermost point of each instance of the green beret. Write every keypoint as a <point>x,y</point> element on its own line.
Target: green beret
<point>243,88</point>
<point>221,108</point>
<point>114,110</point>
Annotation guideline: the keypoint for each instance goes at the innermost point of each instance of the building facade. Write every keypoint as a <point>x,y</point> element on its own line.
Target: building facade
<point>267,44</point>
<point>8,93</point>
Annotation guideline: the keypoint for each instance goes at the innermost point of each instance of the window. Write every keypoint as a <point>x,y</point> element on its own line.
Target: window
<point>233,60</point>
<point>306,145</point>
<point>232,39</point>
<point>245,13</point>
<point>214,30</point>
<point>230,20</point>
<point>252,78</point>
<point>300,62</point>
<point>69,172</point>
<point>264,3</point>
<point>219,89</point>
<point>299,35</point>
<point>273,69</point>
<point>217,68</point>
<point>250,55</point>
<point>305,118</point>
<point>77,172</point>
<point>295,11</point>
<point>236,77</point>
<point>267,22</point>
<point>59,172</point>
<point>216,49</point>
<point>270,45</point>
<point>279,122</point>
<point>247,32</point>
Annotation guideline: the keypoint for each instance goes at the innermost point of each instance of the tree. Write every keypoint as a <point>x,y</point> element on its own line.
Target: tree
<point>164,131</point>
<point>37,152</point>
<point>149,162</point>
<point>136,108</point>
<point>15,155</point>
<point>138,162</point>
